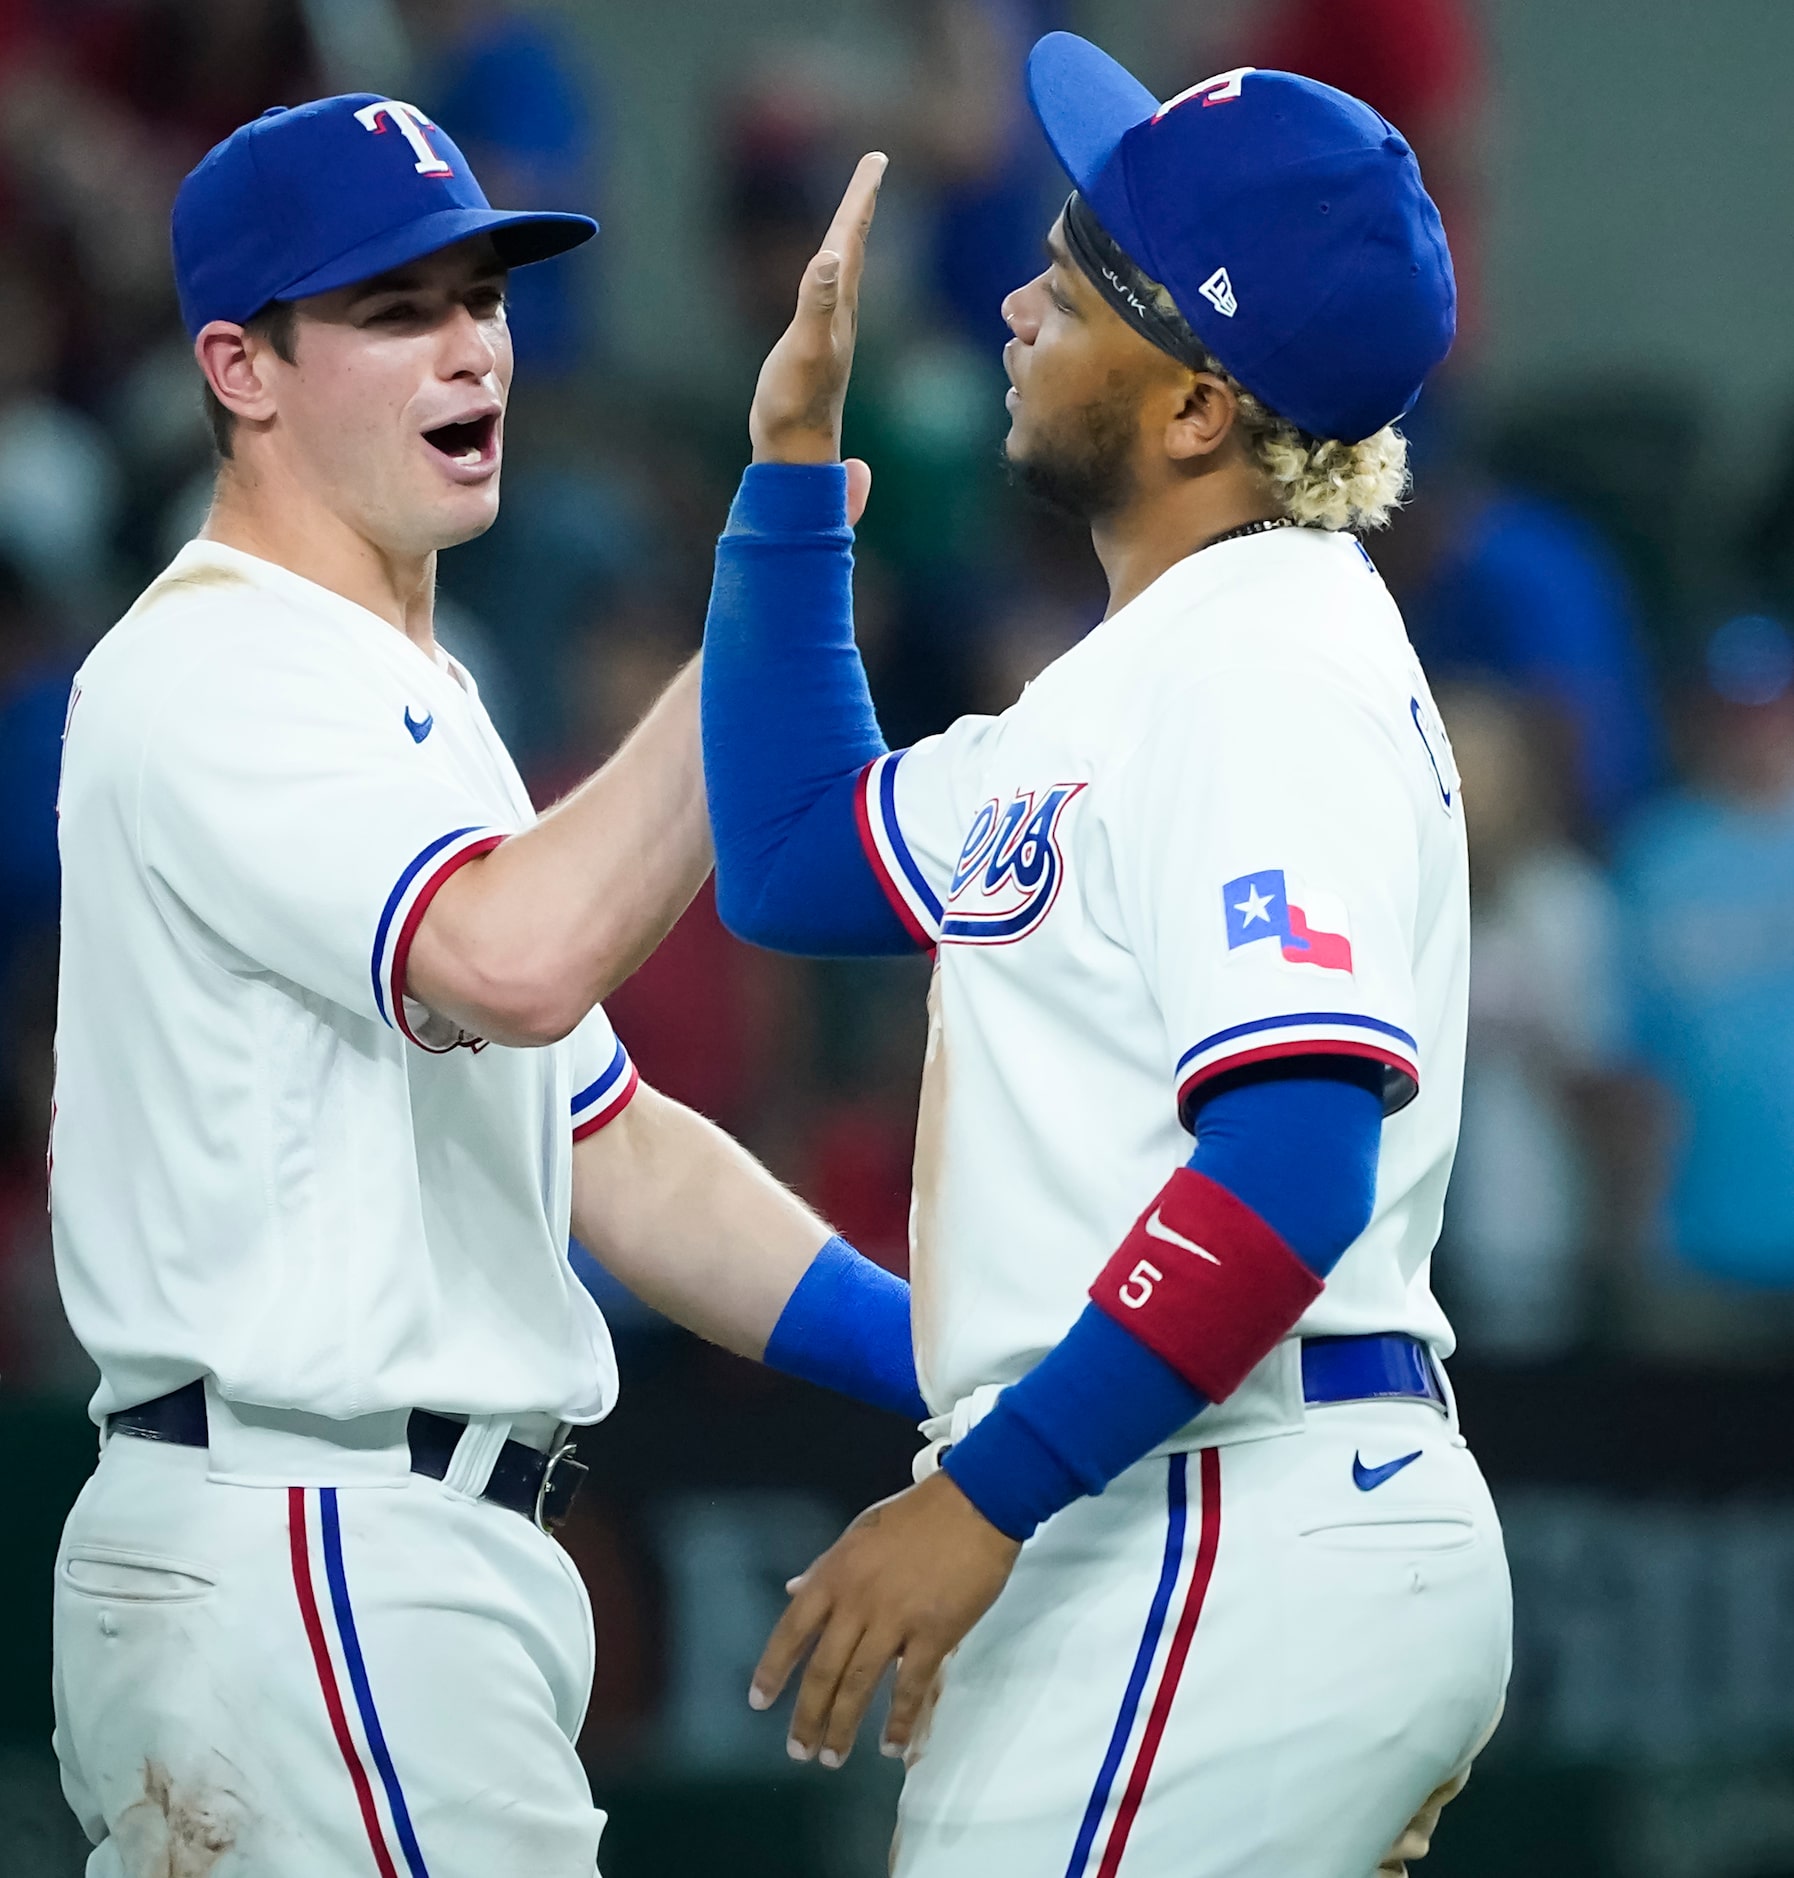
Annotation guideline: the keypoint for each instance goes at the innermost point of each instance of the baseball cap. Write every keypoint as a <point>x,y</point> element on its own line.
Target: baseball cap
<point>1287,221</point>
<point>306,200</point>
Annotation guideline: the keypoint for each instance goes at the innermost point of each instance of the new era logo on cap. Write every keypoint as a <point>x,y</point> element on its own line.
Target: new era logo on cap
<point>1286,220</point>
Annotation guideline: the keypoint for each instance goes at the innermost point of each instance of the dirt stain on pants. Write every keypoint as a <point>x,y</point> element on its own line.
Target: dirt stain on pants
<point>179,1829</point>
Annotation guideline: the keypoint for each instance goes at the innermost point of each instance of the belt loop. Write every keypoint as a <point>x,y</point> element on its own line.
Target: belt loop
<point>1449,1408</point>
<point>259,1447</point>
<point>475,1453</point>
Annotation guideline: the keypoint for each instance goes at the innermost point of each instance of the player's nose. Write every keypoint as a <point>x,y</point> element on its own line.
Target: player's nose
<point>1020,312</point>
<point>468,348</point>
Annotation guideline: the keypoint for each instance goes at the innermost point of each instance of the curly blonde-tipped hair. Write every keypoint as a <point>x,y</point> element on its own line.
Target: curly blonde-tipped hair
<point>1319,481</point>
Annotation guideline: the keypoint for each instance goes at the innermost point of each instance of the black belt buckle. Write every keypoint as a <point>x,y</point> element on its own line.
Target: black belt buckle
<point>562,1478</point>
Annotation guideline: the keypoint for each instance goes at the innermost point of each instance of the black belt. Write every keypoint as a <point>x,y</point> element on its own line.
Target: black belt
<point>524,1480</point>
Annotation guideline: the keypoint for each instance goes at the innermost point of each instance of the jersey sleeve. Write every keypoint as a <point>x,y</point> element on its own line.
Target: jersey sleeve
<point>1267,859</point>
<point>604,1078</point>
<point>915,807</point>
<point>288,813</point>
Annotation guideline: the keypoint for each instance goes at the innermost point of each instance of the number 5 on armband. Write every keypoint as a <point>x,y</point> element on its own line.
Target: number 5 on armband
<point>1139,1283</point>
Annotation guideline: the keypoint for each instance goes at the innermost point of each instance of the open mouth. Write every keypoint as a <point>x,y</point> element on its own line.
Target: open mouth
<point>468,444</point>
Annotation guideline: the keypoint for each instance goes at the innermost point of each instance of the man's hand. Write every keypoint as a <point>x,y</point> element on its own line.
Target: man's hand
<point>796,417</point>
<point>904,1583</point>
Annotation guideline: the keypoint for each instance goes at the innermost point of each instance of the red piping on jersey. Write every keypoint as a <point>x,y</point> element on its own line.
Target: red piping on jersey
<point>1323,1046</point>
<point>617,1105</point>
<point>862,815</point>
<point>401,952</point>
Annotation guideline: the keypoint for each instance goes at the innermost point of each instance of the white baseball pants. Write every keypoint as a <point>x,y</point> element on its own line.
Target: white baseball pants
<point>1251,1661</point>
<point>291,1681</point>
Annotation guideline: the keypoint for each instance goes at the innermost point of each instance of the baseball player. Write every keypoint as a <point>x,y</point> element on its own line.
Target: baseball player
<point>1198,906</point>
<point>333,1079</point>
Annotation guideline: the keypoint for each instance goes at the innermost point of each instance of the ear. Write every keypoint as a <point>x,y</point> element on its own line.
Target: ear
<point>1204,421</point>
<point>236,365</point>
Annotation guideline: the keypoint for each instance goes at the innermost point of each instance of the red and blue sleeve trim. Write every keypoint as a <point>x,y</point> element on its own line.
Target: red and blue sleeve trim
<point>913,900</point>
<point>1304,1033</point>
<point>403,913</point>
<point>605,1098</point>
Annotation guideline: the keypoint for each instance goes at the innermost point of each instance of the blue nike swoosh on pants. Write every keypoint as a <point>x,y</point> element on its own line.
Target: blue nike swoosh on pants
<point>1366,1478</point>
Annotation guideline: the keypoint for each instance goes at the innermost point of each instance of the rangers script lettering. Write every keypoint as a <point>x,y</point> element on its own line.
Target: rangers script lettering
<point>1015,858</point>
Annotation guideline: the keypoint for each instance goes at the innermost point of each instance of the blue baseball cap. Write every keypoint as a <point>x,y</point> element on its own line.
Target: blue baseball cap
<point>306,200</point>
<point>1286,220</point>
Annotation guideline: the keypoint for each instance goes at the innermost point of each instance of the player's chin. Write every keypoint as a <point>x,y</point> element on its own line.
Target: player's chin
<point>462,514</point>
<point>1015,444</point>
<point>1023,425</point>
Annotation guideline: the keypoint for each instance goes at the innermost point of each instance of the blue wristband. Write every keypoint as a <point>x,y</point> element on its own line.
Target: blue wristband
<point>1087,1411</point>
<point>846,1327</point>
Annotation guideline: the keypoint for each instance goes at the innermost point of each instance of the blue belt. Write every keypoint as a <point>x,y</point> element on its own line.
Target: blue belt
<point>1370,1369</point>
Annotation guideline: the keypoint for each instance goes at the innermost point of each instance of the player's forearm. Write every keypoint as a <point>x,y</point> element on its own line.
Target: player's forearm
<point>521,943</point>
<point>697,1228</point>
<point>1217,1271</point>
<point>691,1223</point>
<point>788,721</point>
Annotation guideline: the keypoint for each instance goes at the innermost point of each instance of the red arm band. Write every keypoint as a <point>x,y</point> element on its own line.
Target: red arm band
<point>1205,1284</point>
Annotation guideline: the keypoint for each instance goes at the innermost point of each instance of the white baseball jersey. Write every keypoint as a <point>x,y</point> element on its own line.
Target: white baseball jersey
<point>1223,828</point>
<point>269,1165</point>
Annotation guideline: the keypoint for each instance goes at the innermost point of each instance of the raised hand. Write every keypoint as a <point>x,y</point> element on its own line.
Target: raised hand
<point>796,417</point>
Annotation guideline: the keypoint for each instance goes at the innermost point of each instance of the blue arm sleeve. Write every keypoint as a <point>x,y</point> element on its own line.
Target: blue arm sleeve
<point>788,722</point>
<point>846,1326</point>
<point>1299,1146</point>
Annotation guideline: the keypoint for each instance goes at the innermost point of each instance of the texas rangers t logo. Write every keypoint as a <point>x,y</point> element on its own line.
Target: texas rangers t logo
<point>1223,88</point>
<point>411,124</point>
<point>1258,906</point>
<point>1009,870</point>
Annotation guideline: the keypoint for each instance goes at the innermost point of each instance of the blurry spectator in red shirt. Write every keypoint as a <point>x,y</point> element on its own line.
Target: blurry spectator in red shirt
<point>191,71</point>
<point>857,1166</point>
<point>102,111</point>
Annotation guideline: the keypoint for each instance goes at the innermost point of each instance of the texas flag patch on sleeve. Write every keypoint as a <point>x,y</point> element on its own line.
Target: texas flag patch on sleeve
<point>1309,926</point>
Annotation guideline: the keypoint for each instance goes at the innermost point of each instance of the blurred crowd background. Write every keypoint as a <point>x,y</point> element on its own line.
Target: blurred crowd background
<point>1597,567</point>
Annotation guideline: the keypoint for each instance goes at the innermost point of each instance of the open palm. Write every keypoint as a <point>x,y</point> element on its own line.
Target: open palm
<point>796,415</point>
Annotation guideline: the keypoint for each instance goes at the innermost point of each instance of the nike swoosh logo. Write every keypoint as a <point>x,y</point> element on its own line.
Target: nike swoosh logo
<point>1365,1479</point>
<point>1157,1229</point>
<point>419,731</point>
